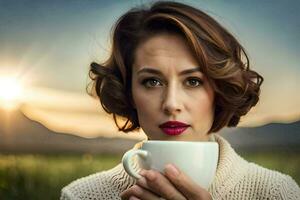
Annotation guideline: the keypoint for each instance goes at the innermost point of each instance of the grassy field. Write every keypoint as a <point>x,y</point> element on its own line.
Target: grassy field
<point>43,176</point>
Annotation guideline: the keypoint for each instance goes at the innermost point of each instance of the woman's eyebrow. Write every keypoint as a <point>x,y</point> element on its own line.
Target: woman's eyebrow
<point>155,71</point>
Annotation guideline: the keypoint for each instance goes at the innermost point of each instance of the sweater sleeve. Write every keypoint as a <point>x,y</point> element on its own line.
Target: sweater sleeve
<point>289,189</point>
<point>105,185</point>
<point>66,195</point>
<point>94,186</point>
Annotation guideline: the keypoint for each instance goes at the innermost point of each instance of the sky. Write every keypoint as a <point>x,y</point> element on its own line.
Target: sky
<point>48,46</point>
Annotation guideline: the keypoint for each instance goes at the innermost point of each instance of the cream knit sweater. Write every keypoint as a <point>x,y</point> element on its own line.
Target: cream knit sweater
<point>235,179</point>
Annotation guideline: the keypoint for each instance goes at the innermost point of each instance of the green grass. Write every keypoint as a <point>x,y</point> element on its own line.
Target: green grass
<point>43,176</point>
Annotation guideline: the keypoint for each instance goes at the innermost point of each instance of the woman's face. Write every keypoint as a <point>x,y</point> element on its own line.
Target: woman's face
<point>168,86</point>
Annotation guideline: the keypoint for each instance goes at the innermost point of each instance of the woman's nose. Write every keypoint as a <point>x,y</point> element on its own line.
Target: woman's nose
<point>172,104</point>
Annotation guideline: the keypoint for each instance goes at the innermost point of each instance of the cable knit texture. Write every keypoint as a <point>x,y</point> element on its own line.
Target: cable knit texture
<point>236,179</point>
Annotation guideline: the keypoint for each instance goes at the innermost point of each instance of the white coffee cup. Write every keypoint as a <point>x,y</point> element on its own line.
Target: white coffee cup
<point>198,160</point>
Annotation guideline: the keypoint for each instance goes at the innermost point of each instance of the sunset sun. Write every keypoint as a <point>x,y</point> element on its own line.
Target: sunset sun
<point>10,92</point>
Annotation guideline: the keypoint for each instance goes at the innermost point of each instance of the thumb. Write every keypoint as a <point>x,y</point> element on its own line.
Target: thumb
<point>185,184</point>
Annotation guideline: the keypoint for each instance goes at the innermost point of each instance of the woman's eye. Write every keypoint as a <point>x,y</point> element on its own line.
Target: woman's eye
<point>150,82</point>
<point>194,82</point>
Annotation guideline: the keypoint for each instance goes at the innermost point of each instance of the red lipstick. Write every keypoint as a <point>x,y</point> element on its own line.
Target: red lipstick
<point>173,127</point>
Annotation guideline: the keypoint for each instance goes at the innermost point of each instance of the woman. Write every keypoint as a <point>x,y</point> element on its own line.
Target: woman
<point>173,63</point>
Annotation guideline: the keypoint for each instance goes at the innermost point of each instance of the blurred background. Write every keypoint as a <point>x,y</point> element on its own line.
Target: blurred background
<point>52,132</point>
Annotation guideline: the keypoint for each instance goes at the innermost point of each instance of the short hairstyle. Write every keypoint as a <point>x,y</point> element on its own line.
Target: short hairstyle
<point>219,54</point>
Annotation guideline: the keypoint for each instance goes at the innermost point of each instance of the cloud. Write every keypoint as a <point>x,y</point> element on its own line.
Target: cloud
<point>79,114</point>
<point>73,113</point>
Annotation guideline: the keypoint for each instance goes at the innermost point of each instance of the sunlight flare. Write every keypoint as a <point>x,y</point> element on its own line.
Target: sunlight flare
<point>10,92</point>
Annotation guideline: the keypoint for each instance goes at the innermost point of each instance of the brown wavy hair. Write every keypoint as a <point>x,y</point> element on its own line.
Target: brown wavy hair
<point>221,58</point>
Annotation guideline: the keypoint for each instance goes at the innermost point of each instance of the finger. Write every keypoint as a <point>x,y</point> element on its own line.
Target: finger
<point>134,198</point>
<point>138,192</point>
<point>159,185</point>
<point>143,183</point>
<point>185,184</point>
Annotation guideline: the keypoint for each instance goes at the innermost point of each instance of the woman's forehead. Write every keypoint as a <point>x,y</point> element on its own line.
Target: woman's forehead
<point>164,50</point>
<point>160,71</point>
<point>169,43</point>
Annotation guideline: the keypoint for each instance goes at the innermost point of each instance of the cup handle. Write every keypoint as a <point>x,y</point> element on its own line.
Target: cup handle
<point>127,158</point>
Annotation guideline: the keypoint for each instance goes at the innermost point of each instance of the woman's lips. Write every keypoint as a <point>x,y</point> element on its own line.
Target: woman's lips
<point>174,131</point>
<point>173,127</point>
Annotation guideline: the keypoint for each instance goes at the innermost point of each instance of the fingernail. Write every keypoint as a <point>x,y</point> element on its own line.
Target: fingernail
<point>142,181</point>
<point>142,172</point>
<point>170,168</point>
<point>133,198</point>
<point>150,175</point>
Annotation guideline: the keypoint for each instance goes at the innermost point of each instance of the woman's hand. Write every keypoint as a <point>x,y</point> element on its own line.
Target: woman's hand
<point>174,185</point>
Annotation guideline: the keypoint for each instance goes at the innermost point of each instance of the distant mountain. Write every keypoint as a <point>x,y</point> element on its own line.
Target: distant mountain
<point>274,135</point>
<point>20,134</point>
